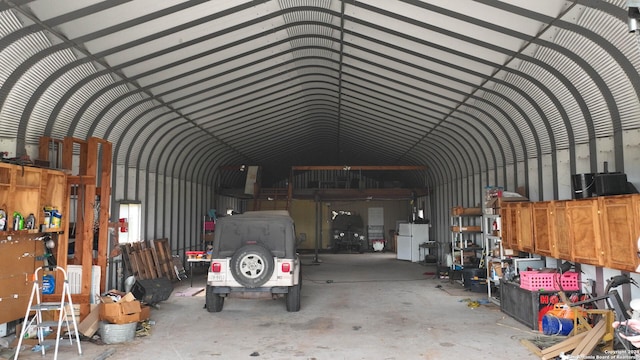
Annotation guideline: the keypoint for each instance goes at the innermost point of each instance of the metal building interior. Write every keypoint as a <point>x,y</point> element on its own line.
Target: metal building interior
<point>453,96</point>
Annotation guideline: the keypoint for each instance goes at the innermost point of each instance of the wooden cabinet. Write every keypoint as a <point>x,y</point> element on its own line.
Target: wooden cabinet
<point>524,226</point>
<point>601,231</point>
<point>509,220</point>
<point>583,223</point>
<point>560,243</point>
<point>27,190</point>
<point>543,225</point>
<point>620,230</point>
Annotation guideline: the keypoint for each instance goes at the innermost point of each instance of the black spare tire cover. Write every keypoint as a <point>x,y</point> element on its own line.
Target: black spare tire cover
<point>252,265</point>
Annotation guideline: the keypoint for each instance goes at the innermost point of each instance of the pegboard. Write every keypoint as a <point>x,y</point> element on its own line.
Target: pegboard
<point>20,255</point>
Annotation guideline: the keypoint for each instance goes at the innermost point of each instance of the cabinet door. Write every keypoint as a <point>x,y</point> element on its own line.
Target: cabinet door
<point>525,226</point>
<point>542,225</point>
<point>620,235</point>
<point>584,231</point>
<point>561,247</point>
<point>508,215</point>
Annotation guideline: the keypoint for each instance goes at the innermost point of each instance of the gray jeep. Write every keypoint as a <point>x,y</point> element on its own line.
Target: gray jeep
<point>254,254</point>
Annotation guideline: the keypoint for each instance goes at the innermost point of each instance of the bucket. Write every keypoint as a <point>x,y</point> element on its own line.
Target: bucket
<point>117,333</point>
<point>553,325</point>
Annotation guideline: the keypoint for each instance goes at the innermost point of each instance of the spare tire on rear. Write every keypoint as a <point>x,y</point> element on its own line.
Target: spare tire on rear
<point>252,265</point>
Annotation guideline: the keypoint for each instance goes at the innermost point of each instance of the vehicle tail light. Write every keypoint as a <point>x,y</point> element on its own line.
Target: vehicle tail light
<point>286,267</point>
<point>216,267</point>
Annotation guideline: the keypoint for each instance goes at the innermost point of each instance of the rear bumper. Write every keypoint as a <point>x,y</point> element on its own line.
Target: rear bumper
<point>229,290</point>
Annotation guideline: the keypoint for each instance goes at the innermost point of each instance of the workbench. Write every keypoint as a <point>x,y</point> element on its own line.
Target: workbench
<point>191,262</point>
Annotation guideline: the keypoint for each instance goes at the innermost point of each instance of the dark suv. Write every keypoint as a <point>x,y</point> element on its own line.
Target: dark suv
<point>348,233</point>
<point>254,253</point>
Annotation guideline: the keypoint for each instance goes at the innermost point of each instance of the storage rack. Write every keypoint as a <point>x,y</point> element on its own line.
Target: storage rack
<point>464,231</point>
<point>492,236</point>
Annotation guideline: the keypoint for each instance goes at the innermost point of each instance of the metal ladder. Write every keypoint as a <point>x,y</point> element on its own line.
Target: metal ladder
<point>63,307</point>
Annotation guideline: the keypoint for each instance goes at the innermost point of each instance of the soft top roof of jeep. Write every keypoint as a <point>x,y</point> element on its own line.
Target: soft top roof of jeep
<point>346,222</point>
<point>272,229</point>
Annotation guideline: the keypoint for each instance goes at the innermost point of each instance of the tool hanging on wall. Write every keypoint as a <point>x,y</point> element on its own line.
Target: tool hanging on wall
<point>48,258</point>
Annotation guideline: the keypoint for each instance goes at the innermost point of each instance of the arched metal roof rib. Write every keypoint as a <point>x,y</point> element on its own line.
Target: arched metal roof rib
<point>476,90</point>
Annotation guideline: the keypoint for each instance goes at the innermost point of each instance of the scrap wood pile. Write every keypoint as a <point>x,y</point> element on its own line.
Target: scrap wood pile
<point>590,332</point>
<point>579,346</point>
<point>150,259</point>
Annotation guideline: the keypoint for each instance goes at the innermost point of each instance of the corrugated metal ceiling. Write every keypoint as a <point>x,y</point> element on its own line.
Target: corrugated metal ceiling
<point>460,86</point>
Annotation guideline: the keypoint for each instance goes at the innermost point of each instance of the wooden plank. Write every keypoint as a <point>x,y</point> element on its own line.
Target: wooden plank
<point>151,266</point>
<point>565,346</point>
<point>148,263</point>
<point>139,265</point>
<point>157,258</point>
<point>165,257</point>
<point>357,167</point>
<point>67,153</point>
<point>144,268</point>
<point>138,261</point>
<point>589,342</point>
<point>103,217</point>
<point>124,250</point>
<point>532,347</point>
<point>166,251</point>
<point>166,267</point>
<point>132,263</point>
<point>156,261</point>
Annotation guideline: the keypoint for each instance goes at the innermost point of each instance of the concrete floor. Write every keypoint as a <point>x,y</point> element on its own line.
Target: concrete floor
<point>354,306</point>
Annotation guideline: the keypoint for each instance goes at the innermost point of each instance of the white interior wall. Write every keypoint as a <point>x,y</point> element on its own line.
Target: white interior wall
<point>533,189</point>
<point>605,153</point>
<point>564,176</point>
<point>631,143</point>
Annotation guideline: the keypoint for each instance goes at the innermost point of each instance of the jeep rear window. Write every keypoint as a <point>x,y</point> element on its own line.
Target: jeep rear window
<point>235,234</point>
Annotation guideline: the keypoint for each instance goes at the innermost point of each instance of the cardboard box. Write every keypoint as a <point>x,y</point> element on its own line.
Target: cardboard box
<point>124,311</point>
<point>145,313</point>
<point>91,323</point>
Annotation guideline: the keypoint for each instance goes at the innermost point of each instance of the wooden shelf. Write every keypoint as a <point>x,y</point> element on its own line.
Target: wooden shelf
<point>466,229</point>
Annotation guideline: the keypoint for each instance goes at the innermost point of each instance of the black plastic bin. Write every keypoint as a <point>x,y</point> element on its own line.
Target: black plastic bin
<point>152,291</point>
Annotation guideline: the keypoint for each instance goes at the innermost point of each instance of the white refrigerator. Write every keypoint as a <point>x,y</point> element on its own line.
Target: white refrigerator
<point>410,236</point>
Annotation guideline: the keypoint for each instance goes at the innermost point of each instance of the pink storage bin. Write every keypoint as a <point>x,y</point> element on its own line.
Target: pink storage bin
<point>536,280</point>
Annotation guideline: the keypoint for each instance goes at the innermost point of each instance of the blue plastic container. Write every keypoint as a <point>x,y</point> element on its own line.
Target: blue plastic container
<point>553,325</point>
<point>48,284</point>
